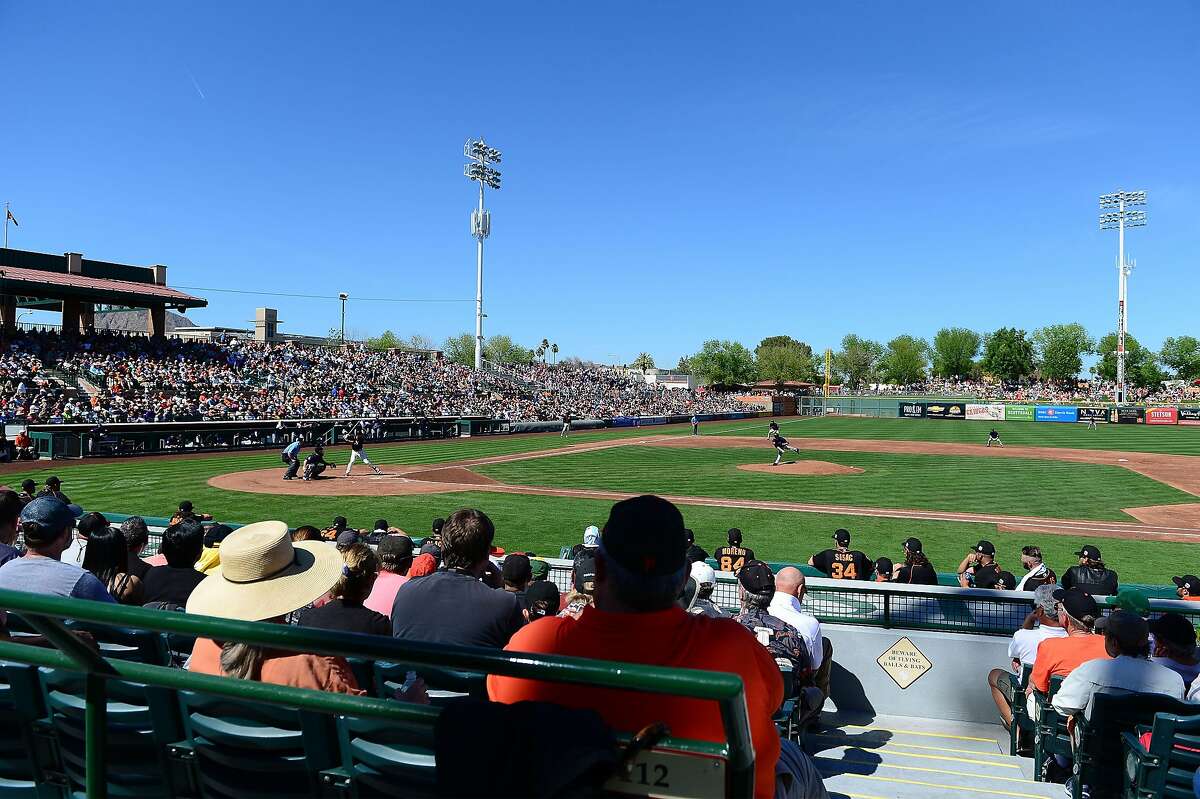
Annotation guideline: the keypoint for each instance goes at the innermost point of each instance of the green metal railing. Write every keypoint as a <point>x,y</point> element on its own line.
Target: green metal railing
<point>46,614</point>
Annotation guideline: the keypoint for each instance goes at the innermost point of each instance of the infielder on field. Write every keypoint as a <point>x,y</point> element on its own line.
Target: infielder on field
<point>357,453</point>
<point>994,438</point>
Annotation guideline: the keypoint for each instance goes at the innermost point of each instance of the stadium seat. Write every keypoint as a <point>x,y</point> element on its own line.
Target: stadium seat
<point>383,758</point>
<point>141,721</point>
<point>1021,722</point>
<point>120,643</point>
<point>1166,767</point>
<point>237,749</point>
<point>25,747</point>
<point>1050,733</point>
<point>1098,736</point>
<point>442,685</point>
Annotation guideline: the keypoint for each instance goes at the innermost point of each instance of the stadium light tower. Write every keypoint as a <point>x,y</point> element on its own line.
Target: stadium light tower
<point>479,169</point>
<point>1120,219</point>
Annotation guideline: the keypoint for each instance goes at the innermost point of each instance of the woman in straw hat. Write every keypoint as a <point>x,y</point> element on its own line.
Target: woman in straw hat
<point>263,576</point>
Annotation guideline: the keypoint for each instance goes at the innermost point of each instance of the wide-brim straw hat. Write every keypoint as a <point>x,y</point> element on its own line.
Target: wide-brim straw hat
<point>263,574</point>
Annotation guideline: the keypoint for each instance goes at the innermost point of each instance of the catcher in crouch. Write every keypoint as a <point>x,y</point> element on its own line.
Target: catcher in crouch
<point>779,442</point>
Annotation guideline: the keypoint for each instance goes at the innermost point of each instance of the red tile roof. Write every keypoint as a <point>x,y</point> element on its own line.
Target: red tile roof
<point>35,282</point>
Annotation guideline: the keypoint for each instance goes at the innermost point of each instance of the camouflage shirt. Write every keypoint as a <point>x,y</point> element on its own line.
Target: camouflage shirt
<point>780,640</point>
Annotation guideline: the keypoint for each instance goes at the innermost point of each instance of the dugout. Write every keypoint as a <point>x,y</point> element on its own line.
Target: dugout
<point>74,286</point>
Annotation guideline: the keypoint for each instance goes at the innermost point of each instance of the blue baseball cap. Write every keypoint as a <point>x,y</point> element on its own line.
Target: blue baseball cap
<point>51,514</point>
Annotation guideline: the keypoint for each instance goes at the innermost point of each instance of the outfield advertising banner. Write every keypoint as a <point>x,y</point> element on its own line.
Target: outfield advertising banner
<point>1162,416</point>
<point>1087,414</point>
<point>1055,413</point>
<point>1018,413</point>
<point>1128,415</point>
<point>945,410</point>
<point>1189,415</point>
<point>990,412</point>
<point>911,410</point>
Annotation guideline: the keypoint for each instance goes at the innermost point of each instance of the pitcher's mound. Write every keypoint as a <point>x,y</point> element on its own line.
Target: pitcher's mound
<point>801,467</point>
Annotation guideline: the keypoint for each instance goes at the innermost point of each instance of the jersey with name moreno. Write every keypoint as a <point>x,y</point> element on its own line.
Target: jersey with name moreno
<point>731,558</point>
<point>853,565</point>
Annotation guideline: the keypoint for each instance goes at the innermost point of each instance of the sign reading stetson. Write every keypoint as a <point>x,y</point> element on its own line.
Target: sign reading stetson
<point>904,663</point>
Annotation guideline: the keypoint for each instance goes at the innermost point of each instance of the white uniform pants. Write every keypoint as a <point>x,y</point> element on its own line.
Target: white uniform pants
<point>357,455</point>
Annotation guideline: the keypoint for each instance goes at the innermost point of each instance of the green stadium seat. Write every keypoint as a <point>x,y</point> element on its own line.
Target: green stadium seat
<point>24,746</point>
<point>1021,722</point>
<point>383,758</point>
<point>238,749</point>
<point>443,685</point>
<point>121,643</point>
<point>1050,733</point>
<point>1166,768</point>
<point>1098,737</point>
<point>141,721</point>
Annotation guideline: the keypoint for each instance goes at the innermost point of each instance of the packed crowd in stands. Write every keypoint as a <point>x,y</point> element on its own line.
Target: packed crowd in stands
<point>137,379</point>
<point>1099,391</point>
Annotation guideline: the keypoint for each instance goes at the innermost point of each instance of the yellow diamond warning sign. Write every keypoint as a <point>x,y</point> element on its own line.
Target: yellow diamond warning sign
<point>904,663</point>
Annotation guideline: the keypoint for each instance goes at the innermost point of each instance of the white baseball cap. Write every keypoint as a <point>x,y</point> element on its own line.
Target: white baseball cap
<point>591,536</point>
<point>703,574</point>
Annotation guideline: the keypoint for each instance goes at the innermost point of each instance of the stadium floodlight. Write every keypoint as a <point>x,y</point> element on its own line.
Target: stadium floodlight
<point>479,169</point>
<point>1118,220</point>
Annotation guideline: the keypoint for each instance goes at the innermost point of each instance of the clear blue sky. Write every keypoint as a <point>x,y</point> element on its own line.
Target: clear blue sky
<point>673,171</point>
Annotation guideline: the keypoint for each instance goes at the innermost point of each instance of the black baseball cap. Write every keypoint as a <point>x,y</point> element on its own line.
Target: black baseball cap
<point>516,569</point>
<point>430,548</point>
<point>644,535</point>
<point>691,537</point>
<point>842,536</point>
<point>216,534</point>
<point>1077,602</point>
<point>339,522</point>
<point>884,566</point>
<point>1174,628</point>
<point>438,524</point>
<point>1005,581</point>
<point>399,547</point>
<point>1088,551</point>
<point>735,535</point>
<point>381,524</point>
<point>757,578</point>
<point>1189,581</point>
<point>28,485</point>
<point>185,506</point>
<point>53,481</point>
<point>543,590</point>
<point>583,573</point>
<point>912,544</point>
<point>985,548</point>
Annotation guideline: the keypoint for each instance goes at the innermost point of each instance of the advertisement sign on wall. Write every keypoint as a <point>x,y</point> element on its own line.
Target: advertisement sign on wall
<point>912,410</point>
<point>945,410</point>
<point>1018,413</point>
<point>1162,415</point>
<point>1189,415</point>
<point>991,412</point>
<point>1127,415</point>
<point>1093,414</point>
<point>1055,413</point>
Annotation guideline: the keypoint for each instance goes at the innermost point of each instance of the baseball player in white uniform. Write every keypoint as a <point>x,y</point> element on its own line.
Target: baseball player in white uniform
<point>358,453</point>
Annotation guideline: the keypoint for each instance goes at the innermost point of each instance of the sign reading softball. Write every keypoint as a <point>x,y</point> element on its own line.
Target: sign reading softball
<point>904,663</point>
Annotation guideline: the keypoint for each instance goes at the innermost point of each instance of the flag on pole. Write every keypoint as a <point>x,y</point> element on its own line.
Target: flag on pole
<point>8,211</point>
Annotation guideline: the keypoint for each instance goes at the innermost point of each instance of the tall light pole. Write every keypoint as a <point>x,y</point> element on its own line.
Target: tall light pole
<point>1120,219</point>
<point>479,169</point>
<point>343,297</point>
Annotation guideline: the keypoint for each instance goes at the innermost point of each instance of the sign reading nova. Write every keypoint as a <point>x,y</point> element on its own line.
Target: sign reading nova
<point>1018,413</point>
<point>1093,414</point>
<point>1055,413</point>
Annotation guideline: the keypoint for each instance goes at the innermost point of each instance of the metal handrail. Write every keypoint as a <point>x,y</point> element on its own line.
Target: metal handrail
<point>47,613</point>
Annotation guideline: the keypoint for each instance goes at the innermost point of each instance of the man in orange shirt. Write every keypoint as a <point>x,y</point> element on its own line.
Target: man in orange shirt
<point>641,567</point>
<point>1077,613</point>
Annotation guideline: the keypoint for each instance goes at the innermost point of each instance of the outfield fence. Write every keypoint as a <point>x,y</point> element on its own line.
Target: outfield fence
<point>985,410</point>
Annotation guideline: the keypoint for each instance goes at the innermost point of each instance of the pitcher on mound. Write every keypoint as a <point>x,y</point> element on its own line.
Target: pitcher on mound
<point>779,442</point>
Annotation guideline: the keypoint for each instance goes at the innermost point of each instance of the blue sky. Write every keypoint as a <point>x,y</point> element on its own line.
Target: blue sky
<point>672,171</point>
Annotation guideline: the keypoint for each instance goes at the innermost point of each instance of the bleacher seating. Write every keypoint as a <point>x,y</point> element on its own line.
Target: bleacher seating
<point>1098,758</point>
<point>1166,768</point>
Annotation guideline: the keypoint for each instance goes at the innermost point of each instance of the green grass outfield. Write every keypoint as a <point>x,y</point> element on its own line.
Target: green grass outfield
<point>1014,486</point>
<point>154,486</point>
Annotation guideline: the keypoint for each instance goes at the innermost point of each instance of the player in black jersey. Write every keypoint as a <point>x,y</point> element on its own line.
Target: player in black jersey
<point>358,453</point>
<point>779,442</point>
<point>842,563</point>
<point>733,557</point>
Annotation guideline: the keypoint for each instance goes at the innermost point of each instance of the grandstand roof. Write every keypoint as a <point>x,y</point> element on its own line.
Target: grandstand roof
<point>34,275</point>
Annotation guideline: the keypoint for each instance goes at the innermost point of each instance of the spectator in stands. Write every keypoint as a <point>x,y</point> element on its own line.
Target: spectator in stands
<point>1058,657</point>
<point>306,532</point>
<point>916,569</point>
<point>108,558</point>
<point>46,525</point>
<point>1126,669</point>
<point>706,583</point>
<point>24,447</point>
<point>210,554</point>
<point>541,600</point>
<point>788,606</point>
<point>841,562</point>
<point>1187,587</point>
<point>451,606</point>
<point>1090,574</point>
<point>422,566</point>
<point>264,576</point>
<point>1036,572</point>
<point>516,574</point>
<point>591,540</point>
<point>171,585</point>
<point>187,511</point>
<point>640,567</point>
<point>539,569</point>
<point>979,568</point>
<point>347,539</point>
<point>583,586</point>
<point>395,559</point>
<point>734,556</point>
<point>884,569</point>
<point>1175,646</point>
<point>137,536</point>
<point>346,611</point>
<point>1041,623</point>
<point>695,554</point>
<point>757,584</point>
<point>28,490</point>
<point>336,528</point>
<point>88,523</point>
<point>53,488</point>
<point>10,517</point>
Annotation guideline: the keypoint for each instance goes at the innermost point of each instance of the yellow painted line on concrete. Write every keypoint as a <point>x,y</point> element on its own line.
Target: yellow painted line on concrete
<point>991,763</point>
<point>923,734</point>
<point>870,762</point>
<point>889,744</point>
<point>947,787</point>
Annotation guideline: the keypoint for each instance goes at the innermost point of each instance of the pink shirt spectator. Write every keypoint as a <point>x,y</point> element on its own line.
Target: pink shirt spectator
<point>156,560</point>
<point>384,593</point>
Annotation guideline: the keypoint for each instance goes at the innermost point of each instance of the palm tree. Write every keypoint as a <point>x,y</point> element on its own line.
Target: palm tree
<point>540,352</point>
<point>644,362</point>
<point>554,353</point>
<point>543,348</point>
